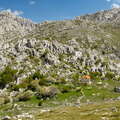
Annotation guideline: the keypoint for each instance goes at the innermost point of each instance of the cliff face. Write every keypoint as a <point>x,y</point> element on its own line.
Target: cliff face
<point>12,26</point>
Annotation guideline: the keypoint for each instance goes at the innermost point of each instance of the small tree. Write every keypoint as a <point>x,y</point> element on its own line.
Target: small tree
<point>6,76</point>
<point>37,75</point>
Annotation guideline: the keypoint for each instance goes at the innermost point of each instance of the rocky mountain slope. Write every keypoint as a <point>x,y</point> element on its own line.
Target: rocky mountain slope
<point>12,26</point>
<point>77,43</point>
<point>76,56</point>
<point>106,16</point>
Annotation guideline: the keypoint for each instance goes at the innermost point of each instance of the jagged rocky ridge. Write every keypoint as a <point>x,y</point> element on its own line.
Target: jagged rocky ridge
<point>106,16</point>
<point>12,26</point>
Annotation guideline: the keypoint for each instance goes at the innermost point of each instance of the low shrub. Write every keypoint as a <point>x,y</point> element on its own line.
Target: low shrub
<point>37,75</point>
<point>40,103</point>
<point>6,76</point>
<point>22,85</point>
<point>47,92</point>
<point>65,88</point>
<point>109,75</point>
<point>34,85</point>
<point>94,75</point>
<point>24,96</point>
<point>42,78</point>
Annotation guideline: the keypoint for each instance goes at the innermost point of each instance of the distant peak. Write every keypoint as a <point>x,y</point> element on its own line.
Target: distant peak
<point>7,13</point>
<point>11,15</point>
<point>111,15</point>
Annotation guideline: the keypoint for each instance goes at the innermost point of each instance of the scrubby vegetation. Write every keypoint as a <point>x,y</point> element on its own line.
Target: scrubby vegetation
<point>7,75</point>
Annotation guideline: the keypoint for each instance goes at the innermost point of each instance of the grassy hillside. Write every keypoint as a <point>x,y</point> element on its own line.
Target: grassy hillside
<point>102,111</point>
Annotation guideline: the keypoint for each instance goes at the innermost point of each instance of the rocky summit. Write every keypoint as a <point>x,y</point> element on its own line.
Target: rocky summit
<point>58,63</point>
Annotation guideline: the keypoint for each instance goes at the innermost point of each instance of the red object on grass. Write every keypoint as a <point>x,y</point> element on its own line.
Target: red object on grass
<point>86,77</point>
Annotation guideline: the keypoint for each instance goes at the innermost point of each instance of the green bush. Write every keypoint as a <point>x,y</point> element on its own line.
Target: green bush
<point>4,100</point>
<point>34,85</point>
<point>62,80</point>
<point>27,95</point>
<point>109,75</point>
<point>95,75</point>
<point>47,92</point>
<point>75,76</point>
<point>22,85</point>
<point>27,80</point>
<point>42,78</point>
<point>75,79</point>
<point>37,75</point>
<point>40,103</point>
<point>65,88</point>
<point>44,82</point>
<point>6,76</point>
